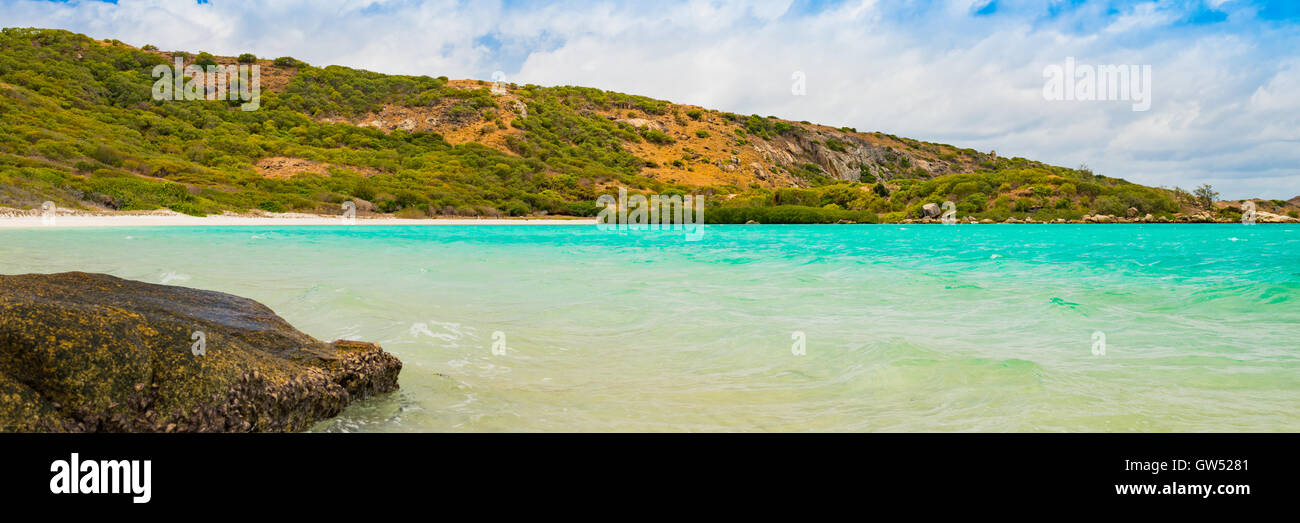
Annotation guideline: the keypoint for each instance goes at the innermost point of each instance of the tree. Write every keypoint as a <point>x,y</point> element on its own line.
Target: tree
<point>1205,196</point>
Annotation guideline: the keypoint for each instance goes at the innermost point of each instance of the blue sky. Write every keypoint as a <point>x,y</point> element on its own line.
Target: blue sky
<point>1225,73</point>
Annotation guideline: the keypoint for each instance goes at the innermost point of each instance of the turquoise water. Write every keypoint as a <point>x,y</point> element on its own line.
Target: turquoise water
<point>906,328</point>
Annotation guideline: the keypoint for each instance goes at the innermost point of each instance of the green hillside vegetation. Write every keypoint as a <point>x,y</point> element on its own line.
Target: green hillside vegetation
<point>79,127</point>
<point>1040,193</point>
<point>86,131</point>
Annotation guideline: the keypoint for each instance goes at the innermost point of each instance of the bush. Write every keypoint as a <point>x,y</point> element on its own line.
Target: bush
<point>205,60</point>
<point>107,155</point>
<point>694,114</point>
<point>1109,205</point>
<point>785,214</point>
<point>973,204</point>
<point>656,136</point>
<point>964,189</point>
<point>702,133</point>
<point>841,195</point>
<point>517,208</point>
<point>247,58</point>
<point>803,197</point>
<point>288,61</point>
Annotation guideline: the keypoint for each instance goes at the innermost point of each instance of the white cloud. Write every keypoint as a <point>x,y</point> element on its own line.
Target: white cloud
<point>1225,106</point>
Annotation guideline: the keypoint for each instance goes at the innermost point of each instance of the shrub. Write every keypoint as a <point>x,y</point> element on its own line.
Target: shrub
<point>656,136</point>
<point>803,197</point>
<point>288,61</point>
<point>840,195</point>
<point>205,60</point>
<point>517,208</point>
<point>785,214</point>
<point>965,188</point>
<point>975,203</point>
<point>694,114</point>
<point>702,133</point>
<point>1109,205</point>
<point>247,58</point>
<point>107,155</point>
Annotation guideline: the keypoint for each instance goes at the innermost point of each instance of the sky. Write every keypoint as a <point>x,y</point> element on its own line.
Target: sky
<point>1224,91</point>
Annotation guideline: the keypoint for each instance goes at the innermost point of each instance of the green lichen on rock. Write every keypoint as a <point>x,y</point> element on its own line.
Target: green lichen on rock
<point>92,352</point>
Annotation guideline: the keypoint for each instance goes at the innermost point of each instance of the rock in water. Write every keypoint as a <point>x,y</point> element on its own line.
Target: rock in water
<point>92,352</point>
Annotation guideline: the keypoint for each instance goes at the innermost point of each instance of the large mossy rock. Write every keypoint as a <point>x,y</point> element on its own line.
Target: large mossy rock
<point>92,352</point>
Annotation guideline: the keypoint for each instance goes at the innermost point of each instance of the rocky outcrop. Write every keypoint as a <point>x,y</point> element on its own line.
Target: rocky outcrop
<point>1268,217</point>
<point>90,352</point>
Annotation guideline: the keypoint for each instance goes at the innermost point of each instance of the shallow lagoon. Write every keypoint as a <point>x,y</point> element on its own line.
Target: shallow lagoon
<point>902,328</point>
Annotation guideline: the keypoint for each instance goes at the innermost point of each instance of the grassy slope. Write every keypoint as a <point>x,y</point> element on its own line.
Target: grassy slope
<point>79,128</point>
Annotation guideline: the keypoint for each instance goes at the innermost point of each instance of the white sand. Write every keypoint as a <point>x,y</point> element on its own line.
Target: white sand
<point>34,220</point>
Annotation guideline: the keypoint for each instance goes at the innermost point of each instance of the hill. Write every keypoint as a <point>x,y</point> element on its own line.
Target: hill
<point>80,128</point>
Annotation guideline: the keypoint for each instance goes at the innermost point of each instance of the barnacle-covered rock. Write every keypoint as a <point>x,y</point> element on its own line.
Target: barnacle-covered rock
<point>92,352</point>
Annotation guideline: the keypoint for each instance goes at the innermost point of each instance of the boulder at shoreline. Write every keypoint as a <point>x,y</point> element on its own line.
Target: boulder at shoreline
<point>86,352</point>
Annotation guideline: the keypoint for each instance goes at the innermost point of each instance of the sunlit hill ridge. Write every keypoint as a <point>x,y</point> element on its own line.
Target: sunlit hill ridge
<point>81,128</point>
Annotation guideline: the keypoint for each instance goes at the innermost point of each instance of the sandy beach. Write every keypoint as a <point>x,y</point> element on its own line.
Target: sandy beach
<point>27,219</point>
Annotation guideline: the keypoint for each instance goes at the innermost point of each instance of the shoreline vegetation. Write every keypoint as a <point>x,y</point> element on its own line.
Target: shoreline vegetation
<point>29,219</point>
<point>24,219</point>
<point>80,129</point>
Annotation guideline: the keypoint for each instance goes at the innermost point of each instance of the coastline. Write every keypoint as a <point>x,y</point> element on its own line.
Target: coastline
<point>30,219</point>
<point>25,220</point>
